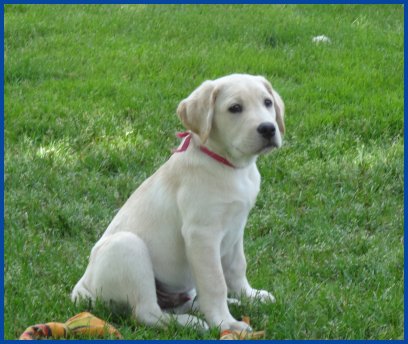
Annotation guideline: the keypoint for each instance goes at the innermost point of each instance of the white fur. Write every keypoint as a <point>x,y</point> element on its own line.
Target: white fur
<point>184,225</point>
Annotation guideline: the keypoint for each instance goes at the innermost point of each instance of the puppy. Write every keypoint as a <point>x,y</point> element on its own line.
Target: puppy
<point>178,240</point>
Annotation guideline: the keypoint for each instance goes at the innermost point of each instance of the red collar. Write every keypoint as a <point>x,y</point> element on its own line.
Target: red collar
<point>187,135</point>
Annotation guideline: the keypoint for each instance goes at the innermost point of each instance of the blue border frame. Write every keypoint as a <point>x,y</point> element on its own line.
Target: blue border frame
<point>208,2</point>
<point>2,169</point>
<point>405,164</point>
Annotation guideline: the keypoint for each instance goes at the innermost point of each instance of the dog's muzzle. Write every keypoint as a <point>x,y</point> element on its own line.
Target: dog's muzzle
<point>267,130</point>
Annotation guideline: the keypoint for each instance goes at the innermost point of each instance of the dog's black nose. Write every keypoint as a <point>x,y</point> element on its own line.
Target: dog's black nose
<point>267,130</point>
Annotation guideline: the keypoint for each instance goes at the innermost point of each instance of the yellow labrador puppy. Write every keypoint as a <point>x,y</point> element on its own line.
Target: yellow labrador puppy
<point>180,234</point>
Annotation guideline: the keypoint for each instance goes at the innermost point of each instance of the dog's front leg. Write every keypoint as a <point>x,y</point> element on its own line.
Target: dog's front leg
<point>203,254</point>
<point>234,267</point>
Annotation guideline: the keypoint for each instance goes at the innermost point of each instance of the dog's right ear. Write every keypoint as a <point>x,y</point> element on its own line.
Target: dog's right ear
<point>197,110</point>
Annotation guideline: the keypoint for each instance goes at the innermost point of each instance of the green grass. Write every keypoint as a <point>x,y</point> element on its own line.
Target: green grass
<point>90,99</point>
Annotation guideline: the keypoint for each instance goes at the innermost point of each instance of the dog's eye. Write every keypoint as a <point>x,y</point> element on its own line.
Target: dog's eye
<point>236,108</point>
<point>268,102</point>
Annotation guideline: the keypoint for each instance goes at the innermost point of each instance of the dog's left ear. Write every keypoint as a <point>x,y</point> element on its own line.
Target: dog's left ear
<point>197,110</point>
<point>278,104</point>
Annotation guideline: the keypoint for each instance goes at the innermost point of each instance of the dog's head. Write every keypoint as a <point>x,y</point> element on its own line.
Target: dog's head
<point>240,116</point>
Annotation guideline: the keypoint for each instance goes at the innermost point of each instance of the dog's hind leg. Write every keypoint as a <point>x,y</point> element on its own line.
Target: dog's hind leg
<point>120,272</point>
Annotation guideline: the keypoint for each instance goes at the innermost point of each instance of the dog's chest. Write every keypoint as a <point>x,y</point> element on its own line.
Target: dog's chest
<point>246,188</point>
<point>236,211</point>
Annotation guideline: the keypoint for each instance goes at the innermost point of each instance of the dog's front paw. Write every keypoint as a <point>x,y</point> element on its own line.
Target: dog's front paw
<point>262,295</point>
<point>191,320</point>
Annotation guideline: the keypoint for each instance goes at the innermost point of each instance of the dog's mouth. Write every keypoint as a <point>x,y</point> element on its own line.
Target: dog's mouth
<point>267,147</point>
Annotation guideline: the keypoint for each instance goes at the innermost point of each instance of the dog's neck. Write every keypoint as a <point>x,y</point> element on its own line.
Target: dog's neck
<point>212,146</point>
<point>188,136</point>
<point>213,150</point>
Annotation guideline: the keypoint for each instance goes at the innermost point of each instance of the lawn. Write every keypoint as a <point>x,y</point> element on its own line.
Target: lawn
<point>89,110</point>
